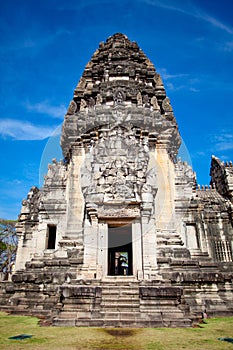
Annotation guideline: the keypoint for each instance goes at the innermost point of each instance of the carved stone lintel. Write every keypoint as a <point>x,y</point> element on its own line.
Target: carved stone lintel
<point>116,212</point>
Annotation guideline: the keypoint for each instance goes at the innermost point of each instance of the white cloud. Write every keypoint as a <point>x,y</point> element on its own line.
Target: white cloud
<point>44,107</point>
<point>166,5</point>
<point>178,81</point>
<point>224,146</point>
<point>23,130</point>
<point>191,10</point>
<point>228,46</point>
<point>201,154</point>
<point>223,141</point>
<point>192,89</point>
<point>166,76</point>
<point>215,22</point>
<point>217,144</point>
<point>174,87</point>
<point>36,40</point>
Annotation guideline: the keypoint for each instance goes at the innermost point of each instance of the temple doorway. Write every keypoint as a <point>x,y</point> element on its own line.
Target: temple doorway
<point>120,260</point>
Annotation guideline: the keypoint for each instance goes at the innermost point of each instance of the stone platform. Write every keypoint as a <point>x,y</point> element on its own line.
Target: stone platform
<point>179,295</point>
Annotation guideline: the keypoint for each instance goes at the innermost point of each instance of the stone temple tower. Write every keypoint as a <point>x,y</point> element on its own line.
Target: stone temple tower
<point>120,235</point>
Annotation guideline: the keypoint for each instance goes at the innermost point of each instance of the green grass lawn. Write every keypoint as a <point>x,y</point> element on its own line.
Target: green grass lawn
<point>82,338</point>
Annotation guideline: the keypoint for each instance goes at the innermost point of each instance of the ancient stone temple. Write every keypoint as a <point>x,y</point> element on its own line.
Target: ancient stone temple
<point>120,234</point>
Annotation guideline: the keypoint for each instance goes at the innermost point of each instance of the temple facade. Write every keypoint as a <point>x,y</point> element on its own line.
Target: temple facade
<point>120,234</point>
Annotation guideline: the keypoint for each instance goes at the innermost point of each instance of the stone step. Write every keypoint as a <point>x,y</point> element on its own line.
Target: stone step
<point>76,308</point>
<point>116,298</point>
<point>158,304</point>
<point>63,322</point>
<point>120,310</point>
<point>123,319</point>
<point>123,294</point>
<point>105,323</point>
<point>120,306</point>
<point>121,315</point>
<point>120,281</point>
<point>120,288</point>
<point>123,301</point>
<point>68,315</point>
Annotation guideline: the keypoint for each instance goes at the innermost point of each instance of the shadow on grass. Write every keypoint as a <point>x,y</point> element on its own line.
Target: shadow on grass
<point>91,338</point>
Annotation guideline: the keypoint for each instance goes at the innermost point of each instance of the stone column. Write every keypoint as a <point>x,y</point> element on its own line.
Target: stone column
<point>164,202</point>
<point>89,269</point>
<point>166,226</point>
<point>75,200</point>
<point>102,257</point>
<point>137,249</point>
<point>148,247</point>
<point>20,256</point>
<point>202,238</point>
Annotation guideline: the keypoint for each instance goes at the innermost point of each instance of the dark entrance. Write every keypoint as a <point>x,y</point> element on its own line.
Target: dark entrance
<point>51,239</point>
<point>120,260</point>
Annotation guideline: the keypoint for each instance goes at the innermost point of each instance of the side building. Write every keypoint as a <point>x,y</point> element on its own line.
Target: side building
<point>120,234</point>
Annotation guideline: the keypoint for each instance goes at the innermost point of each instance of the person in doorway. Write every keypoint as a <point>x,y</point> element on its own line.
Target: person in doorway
<point>123,265</point>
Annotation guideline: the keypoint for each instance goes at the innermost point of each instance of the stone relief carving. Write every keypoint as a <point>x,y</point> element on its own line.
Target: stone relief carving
<point>146,101</point>
<point>117,170</point>
<point>91,102</point>
<point>82,83</point>
<point>167,105</point>
<point>158,80</point>
<point>116,212</point>
<point>83,105</point>
<point>99,100</point>
<point>155,104</point>
<point>119,97</point>
<point>72,107</point>
<point>139,99</point>
<point>30,206</point>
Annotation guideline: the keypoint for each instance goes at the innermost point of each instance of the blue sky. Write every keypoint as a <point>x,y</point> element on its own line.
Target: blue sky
<point>45,46</point>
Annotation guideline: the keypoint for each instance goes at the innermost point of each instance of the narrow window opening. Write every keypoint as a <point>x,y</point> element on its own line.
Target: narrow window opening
<point>52,229</point>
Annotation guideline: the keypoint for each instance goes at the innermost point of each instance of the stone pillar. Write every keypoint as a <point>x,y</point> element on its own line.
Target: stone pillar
<point>41,238</point>
<point>27,244</point>
<point>205,229</point>
<point>167,228</point>
<point>89,269</point>
<point>164,202</point>
<point>20,256</point>
<point>202,237</point>
<point>75,200</point>
<point>149,247</point>
<point>137,249</point>
<point>102,257</point>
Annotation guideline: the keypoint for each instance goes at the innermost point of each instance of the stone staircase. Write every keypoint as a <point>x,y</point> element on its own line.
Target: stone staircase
<point>120,304</point>
<point>123,304</point>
